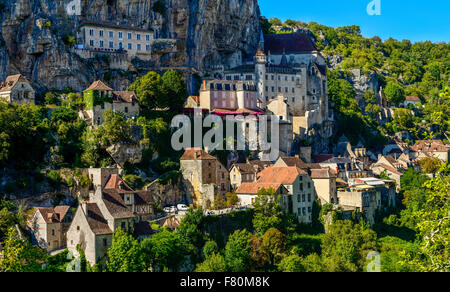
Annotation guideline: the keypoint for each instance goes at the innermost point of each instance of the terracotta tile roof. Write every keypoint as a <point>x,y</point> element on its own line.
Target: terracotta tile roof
<point>196,154</point>
<point>196,99</point>
<point>99,85</point>
<point>11,81</point>
<point>115,182</point>
<point>281,175</point>
<point>96,221</point>
<point>254,187</point>
<point>115,204</point>
<point>52,215</point>
<point>172,222</point>
<point>236,111</point>
<point>288,43</point>
<point>430,145</point>
<point>125,96</point>
<point>413,98</point>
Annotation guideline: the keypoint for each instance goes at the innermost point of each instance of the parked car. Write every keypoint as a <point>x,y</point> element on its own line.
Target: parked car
<point>209,212</point>
<point>182,207</point>
<point>171,209</point>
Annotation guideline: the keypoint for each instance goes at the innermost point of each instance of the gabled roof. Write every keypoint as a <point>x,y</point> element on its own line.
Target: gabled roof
<point>298,162</point>
<point>388,168</point>
<point>143,228</point>
<point>289,43</point>
<point>11,81</point>
<point>280,175</point>
<point>52,215</point>
<point>109,24</point>
<point>196,154</point>
<point>413,98</point>
<point>125,96</point>
<point>117,183</point>
<point>322,173</point>
<point>115,204</point>
<point>253,188</point>
<point>430,145</point>
<point>99,85</point>
<point>96,221</point>
<point>244,168</point>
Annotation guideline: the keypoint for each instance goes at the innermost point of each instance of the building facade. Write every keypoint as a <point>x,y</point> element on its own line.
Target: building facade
<point>99,97</point>
<point>17,89</point>
<point>204,176</point>
<point>48,226</point>
<point>113,37</point>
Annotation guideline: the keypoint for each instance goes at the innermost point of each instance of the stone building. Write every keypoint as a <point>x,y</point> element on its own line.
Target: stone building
<point>99,97</point>
<point>299,196</point>
<point>325,185</point>
<point>48,226</point>
<point>367,196</point>
<point>17,89</point>
<point>229,97</point>
<point>246,172</point>
<point>204,175</point>
<point>431,148</point>
<point>290,64</point>
<point>94,223</point>
<point>115,37</point>
<point>109,204</point>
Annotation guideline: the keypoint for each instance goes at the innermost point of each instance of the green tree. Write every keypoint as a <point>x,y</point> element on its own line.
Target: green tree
<point>370,97</point>
<point>125,254</point>
<point>291,264</point>
<point>274,245</point>
<point>21,256</point>
<point>345,246</point>
<point>151,91</point>
<point>51,98</point>
<point>176,89</point>
<point>238,251</point>
<point>267,211</point>
<point>395,93</point>
<point>210,248</point>
<point>215,263</point>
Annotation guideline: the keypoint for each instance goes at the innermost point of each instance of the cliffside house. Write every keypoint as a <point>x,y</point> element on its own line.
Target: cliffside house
<point>367,196</point>
<point>100,97</point>
<point>414,100</point>
<point>17,89</point>
<point>204,175</point>
<point>113,37</point>
<point>246,172</point>
<point>48,226</point>
<point>111,203</point>
<point>430,148</point>
<point>391,167</point>
<point>300,194</point>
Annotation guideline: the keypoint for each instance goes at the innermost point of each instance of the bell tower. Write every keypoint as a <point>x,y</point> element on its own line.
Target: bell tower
<point>260,74</point>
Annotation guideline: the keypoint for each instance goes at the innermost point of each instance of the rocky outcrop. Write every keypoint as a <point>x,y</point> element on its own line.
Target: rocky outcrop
<point>35,33</point>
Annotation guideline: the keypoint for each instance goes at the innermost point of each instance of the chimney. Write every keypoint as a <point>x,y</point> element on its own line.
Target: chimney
<point>204,84</point>
<point>195,155</point>
<point>84,205</point>
<point>297,156</point>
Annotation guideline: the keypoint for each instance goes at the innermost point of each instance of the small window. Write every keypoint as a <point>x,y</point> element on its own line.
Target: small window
<point>105,242</point>
<point>101,33</point>
<point>147,37</point>
<point>111,34</point>
<point>130,46</point>
<point>126,109</point>
<point>139,47</point>
<point>120,35</point>
<point>130,36</point>
<point>78,228</point>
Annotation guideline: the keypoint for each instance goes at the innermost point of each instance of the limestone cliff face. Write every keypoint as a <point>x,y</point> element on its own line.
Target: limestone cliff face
<point>207,33</point>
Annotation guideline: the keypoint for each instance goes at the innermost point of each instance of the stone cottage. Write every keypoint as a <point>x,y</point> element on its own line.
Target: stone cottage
<point>204,175</point>
<point>48,226</point>
<point>99,97</point>
<point>17,89</point>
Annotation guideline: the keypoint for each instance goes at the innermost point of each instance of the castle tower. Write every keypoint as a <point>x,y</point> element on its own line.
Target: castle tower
<point>260,73</point>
